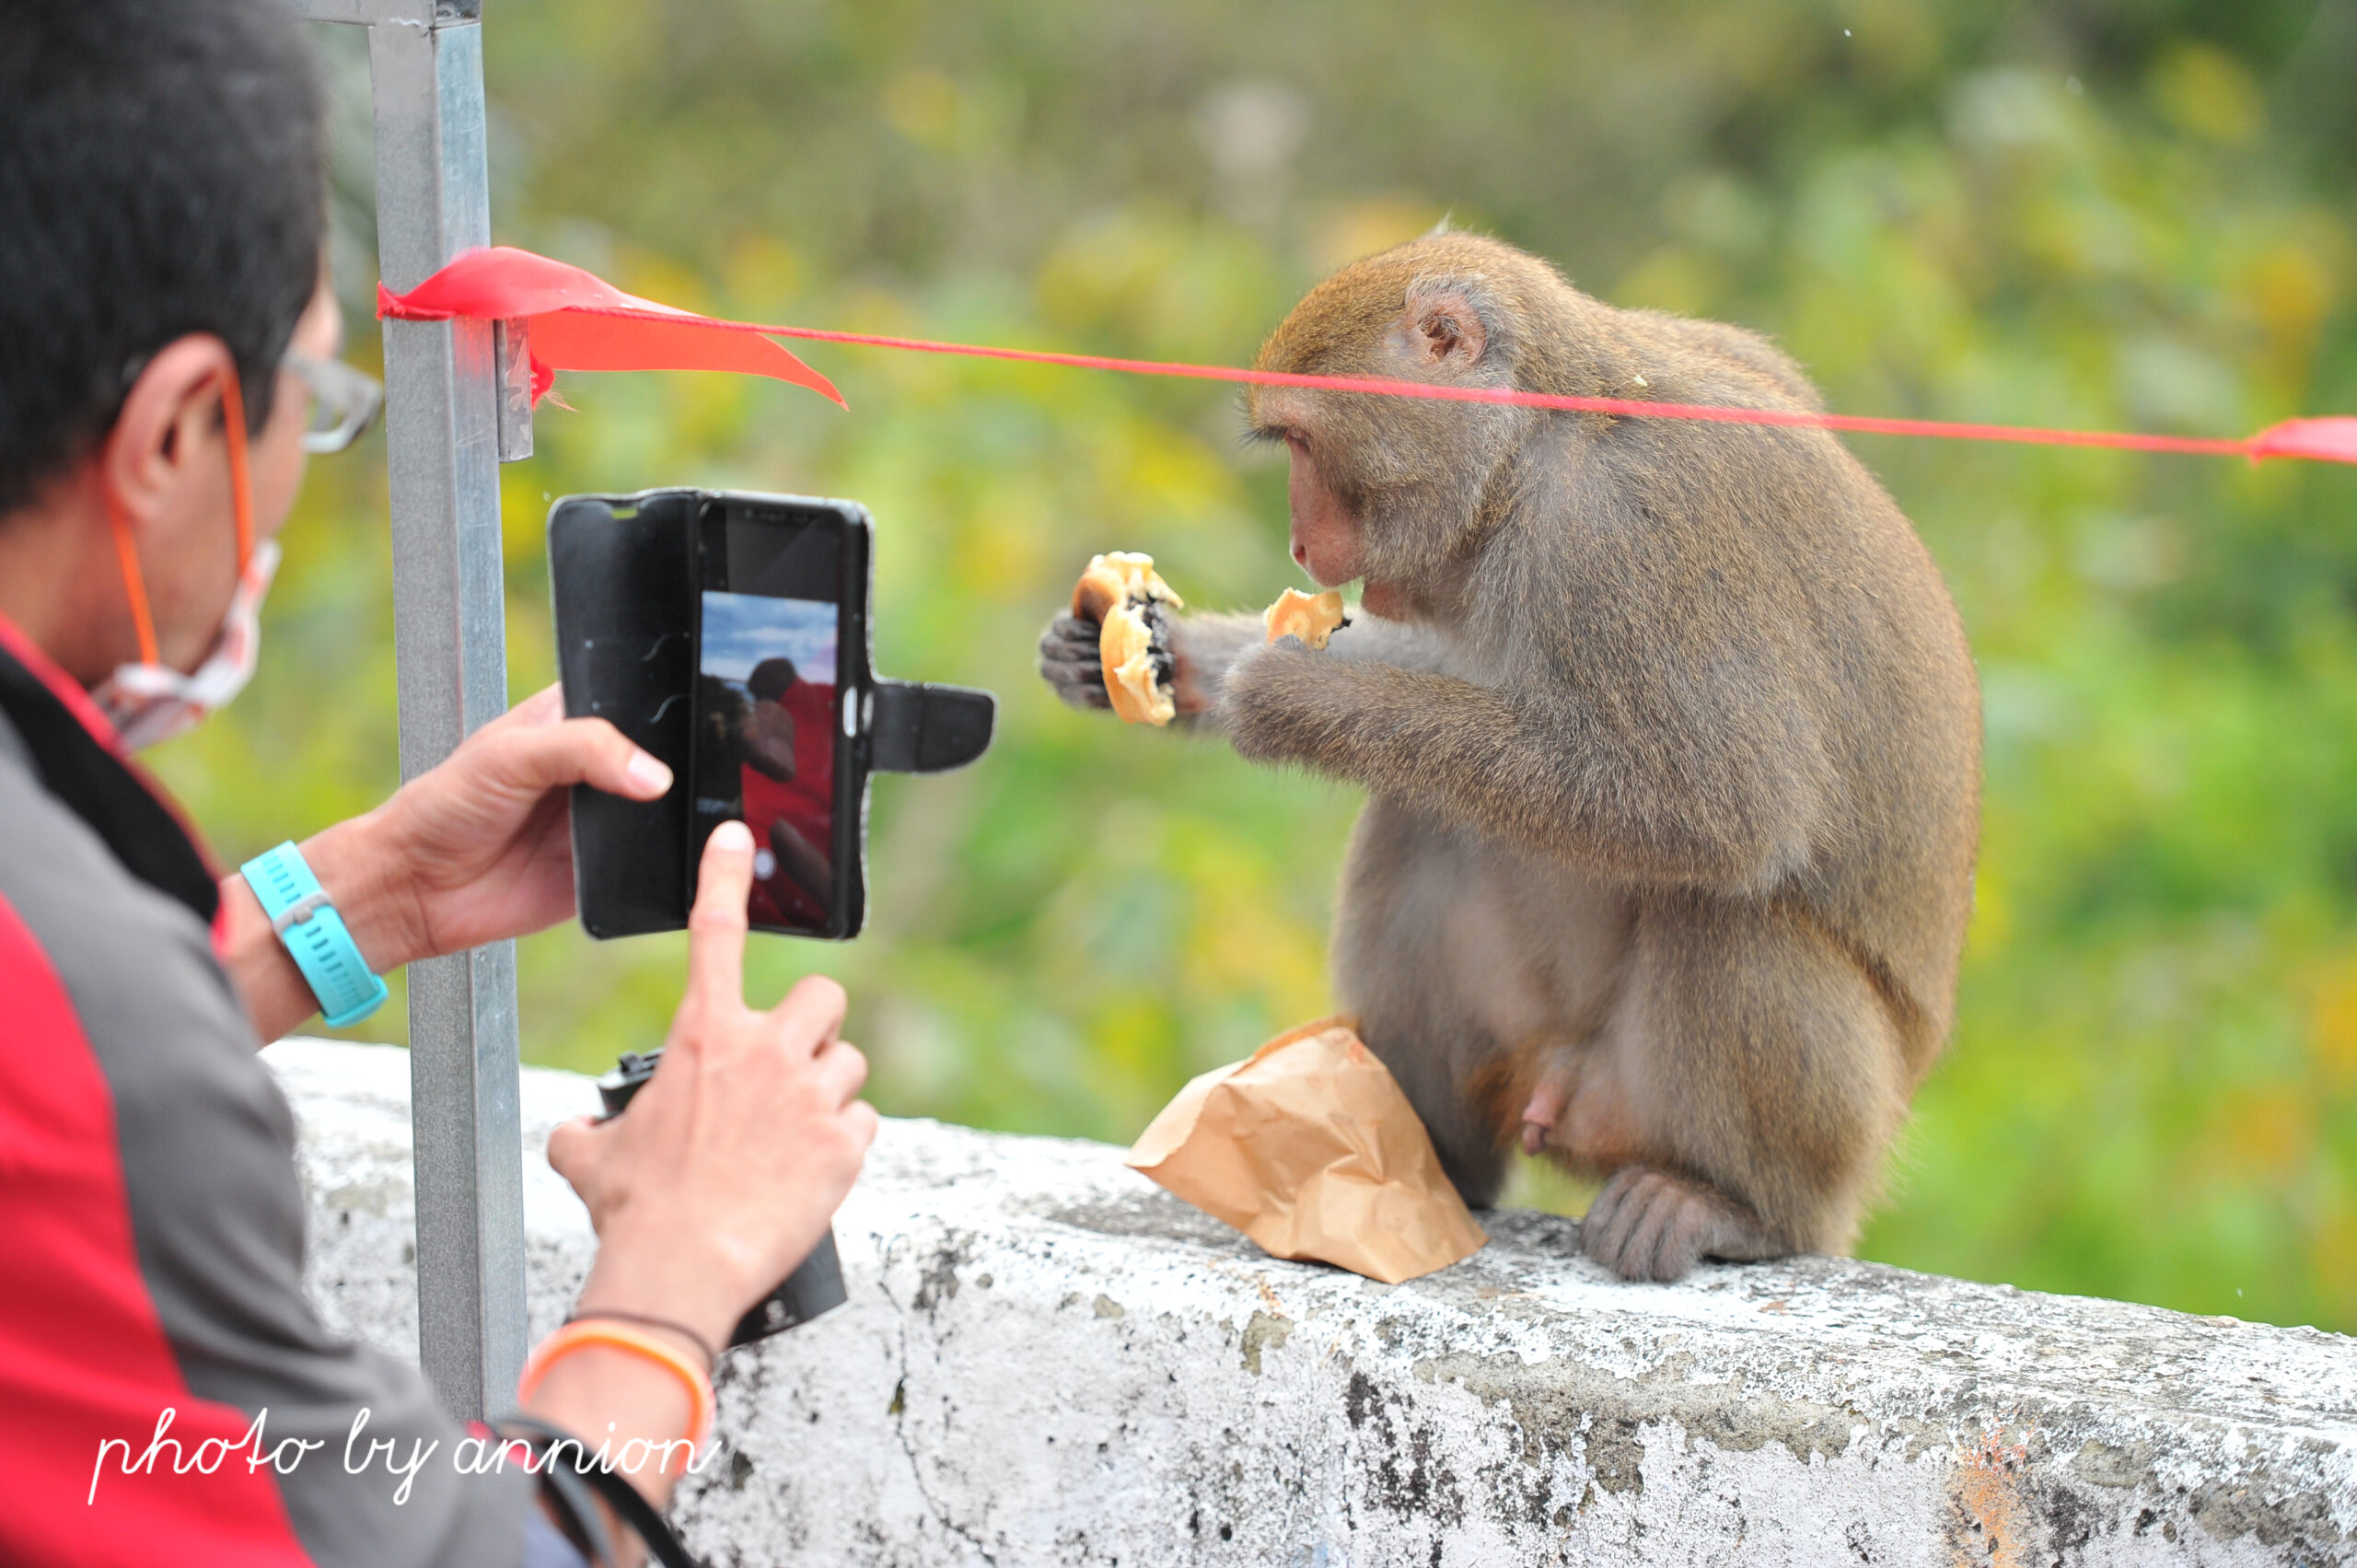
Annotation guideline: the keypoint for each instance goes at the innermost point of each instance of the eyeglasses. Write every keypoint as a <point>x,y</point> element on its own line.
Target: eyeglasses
<point>344,402</point>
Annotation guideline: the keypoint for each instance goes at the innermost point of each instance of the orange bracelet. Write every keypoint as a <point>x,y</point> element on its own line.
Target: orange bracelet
<point>622,1336</point>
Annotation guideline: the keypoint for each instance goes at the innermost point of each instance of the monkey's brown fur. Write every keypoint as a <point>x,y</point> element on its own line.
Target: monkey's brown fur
<point>1671,746</point>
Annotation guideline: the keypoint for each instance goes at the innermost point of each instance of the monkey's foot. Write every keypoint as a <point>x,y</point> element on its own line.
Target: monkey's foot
<point>1647,1225</point>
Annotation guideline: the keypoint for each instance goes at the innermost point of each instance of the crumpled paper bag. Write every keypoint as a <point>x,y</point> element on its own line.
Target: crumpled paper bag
<point>1310,1148</point>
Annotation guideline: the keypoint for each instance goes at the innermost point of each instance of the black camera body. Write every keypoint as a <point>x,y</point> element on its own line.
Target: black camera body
<point>815,1287</point>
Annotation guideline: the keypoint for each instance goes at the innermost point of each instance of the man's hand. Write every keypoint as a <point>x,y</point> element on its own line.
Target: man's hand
<point>724,1172</point>
<point>480,848</point>
<point>719,1178</point>
<point>475,850</point>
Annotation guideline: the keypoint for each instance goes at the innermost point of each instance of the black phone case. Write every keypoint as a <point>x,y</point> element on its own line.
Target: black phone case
<point>622,575</point>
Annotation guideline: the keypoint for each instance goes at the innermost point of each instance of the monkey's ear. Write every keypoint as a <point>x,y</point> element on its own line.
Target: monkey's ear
<point>1441,327</point>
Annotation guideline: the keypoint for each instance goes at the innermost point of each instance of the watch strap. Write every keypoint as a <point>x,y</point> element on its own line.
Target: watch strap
<point>312,930</point>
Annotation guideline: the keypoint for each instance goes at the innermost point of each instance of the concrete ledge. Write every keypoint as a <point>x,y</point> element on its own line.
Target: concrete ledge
<point>1046,1360</point>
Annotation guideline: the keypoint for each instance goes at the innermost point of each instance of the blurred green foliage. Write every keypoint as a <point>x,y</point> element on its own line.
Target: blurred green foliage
<point>2068,212</point>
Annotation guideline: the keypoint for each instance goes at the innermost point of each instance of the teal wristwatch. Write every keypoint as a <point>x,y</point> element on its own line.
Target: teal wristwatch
<point>307,921</point>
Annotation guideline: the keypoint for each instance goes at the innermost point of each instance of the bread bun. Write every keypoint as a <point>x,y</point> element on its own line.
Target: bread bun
<point>1311,617</point>
<point>1131,603</point>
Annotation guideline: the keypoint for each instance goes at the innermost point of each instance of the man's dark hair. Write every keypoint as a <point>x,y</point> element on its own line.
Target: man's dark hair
<point>162,172</point>
<point>771,679</point>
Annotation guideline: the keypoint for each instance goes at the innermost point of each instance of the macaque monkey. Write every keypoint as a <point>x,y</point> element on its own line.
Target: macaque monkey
<point>1670,741</point>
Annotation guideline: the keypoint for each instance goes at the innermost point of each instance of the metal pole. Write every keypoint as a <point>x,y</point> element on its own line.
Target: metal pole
<point>449,627</point>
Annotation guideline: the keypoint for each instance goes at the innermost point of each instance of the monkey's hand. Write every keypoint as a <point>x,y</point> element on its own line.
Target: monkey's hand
<point>1202,649</point>
<point>1280,702</point>
<point>1069,663</point>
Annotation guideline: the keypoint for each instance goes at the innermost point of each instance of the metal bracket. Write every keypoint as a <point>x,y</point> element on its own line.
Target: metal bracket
<point>511,357</point>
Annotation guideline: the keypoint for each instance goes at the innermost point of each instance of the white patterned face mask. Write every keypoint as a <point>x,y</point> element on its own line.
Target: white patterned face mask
<point>149,702</point>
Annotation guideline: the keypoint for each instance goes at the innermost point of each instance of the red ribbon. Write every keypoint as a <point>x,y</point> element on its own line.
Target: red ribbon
<point>582,322</point>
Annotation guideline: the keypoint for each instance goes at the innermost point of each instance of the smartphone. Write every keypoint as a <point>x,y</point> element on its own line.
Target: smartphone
<point>776,707</point>
<point>728,635</point>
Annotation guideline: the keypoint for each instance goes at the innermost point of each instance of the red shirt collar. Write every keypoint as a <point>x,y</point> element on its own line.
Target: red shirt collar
<point>68,691</point>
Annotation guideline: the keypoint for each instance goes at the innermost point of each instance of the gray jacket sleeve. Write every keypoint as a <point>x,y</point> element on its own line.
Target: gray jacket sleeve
<point>205,1143</point>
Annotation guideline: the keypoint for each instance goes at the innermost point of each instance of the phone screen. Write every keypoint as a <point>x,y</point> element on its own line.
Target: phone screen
<point>767,718</point>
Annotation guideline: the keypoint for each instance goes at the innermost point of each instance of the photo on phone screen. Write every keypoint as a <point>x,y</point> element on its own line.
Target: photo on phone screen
<point>766,720</point>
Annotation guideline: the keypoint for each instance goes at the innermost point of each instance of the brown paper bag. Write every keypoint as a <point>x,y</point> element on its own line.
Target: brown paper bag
<point>1310,1149</point>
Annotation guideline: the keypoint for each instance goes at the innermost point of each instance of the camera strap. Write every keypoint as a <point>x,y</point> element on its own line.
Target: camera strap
<point>570,1486</point>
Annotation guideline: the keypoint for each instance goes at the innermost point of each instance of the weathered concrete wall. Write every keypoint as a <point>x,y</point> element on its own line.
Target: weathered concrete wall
<point>1046,1360</point>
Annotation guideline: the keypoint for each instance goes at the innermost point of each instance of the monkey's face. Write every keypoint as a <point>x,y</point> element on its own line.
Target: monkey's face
<point>1387,500</point>
<point>1328,541</point>
<point>1392,491</point>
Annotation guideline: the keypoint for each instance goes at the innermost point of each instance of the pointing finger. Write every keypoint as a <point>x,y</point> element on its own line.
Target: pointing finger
<point>716,925</point>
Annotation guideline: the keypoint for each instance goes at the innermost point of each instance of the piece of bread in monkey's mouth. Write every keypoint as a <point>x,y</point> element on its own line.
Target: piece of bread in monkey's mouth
<point>1131,603</point>
<point>1311,617</point>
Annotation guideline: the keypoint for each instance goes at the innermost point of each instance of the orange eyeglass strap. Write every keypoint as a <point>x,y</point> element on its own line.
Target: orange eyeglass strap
<point>241,506</point>
<point>242,488</point>
<point>585,1332</point>
<point>134,586</point>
